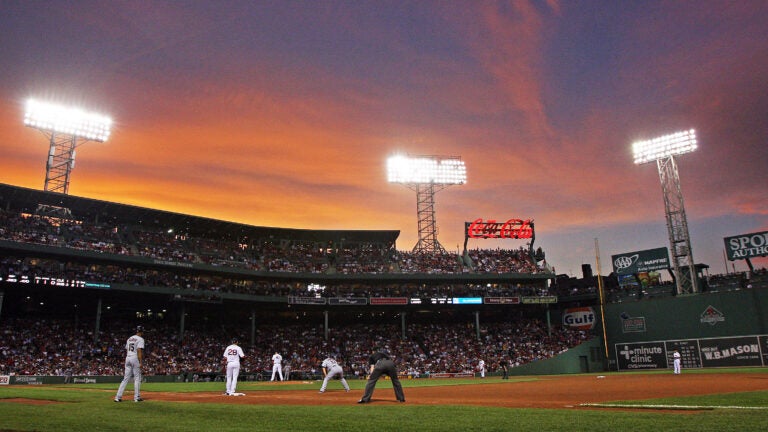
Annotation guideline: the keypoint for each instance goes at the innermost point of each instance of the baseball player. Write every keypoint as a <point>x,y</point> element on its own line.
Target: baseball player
<point>134,348</point>
<point>330,369</point>
<point>287,369</point>
<point>481,368</point>
<point>232,354</point>
<point>676,361</point>
<point>277,360</point>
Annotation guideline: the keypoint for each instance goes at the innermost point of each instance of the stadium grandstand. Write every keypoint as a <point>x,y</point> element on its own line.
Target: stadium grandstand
<point>78,274</point>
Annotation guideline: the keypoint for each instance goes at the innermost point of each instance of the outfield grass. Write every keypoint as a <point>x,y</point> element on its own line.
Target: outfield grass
<point>89,408</point>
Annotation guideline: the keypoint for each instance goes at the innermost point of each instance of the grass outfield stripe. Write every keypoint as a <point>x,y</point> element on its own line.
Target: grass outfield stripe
<point>672,407</point>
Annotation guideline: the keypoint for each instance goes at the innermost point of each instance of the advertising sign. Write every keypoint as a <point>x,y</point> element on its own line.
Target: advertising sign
<point>711,316</point>
<point>306,300</point>
<point>582,318</point>
<point>491,228</point>
<point>467,300</point>
<point>737,351</point>
<point>641,261</point>
<point>539,299</point>
<point>747,246</point>
<point>348,301</point>
<point>643,355</point>
<point>630,324</point>
<point>502,300</point>
<point>389,300</point>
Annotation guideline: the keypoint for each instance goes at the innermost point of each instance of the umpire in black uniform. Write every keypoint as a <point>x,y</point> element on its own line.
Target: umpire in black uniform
<point>381,364</point>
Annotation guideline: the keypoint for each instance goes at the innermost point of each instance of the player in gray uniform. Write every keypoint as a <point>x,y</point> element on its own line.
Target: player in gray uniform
<point>330,369</point>
<point>233,353</point>
<point>134,348</point>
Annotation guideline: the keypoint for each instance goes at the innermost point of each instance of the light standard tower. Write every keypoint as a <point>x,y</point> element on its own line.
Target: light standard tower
<point>426,175</point>
<point>66,128</point>
<point>663,150</point>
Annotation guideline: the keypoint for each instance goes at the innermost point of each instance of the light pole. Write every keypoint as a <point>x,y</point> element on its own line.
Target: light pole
<point>66,128</point>
<point>426,175</point>
<point>663,150</point>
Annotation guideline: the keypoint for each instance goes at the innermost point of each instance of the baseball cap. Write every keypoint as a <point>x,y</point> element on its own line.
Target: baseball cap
<point>139,329</point>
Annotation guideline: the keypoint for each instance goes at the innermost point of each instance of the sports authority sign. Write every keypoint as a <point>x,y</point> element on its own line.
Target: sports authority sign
<point>641,261</point>
<point>747,246</point>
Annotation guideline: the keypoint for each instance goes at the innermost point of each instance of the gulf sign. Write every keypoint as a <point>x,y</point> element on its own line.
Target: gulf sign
<point>582,318</point>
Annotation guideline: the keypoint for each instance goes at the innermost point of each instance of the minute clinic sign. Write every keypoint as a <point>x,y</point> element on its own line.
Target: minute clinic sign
<point>493,229</point>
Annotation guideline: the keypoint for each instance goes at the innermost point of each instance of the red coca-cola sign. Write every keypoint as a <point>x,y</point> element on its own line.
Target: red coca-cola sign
<point>511,229</point>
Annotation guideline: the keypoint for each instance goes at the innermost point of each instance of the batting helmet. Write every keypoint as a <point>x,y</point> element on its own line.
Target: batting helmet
<point>139,329</point>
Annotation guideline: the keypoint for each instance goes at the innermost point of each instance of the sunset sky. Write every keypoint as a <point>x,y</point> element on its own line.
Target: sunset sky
<point>283,113</point>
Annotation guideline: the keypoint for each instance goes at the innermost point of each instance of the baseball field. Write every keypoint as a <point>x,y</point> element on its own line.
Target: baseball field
<point>701,400</point>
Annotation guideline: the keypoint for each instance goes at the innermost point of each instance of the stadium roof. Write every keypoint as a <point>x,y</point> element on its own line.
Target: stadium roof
<point>20,199</point>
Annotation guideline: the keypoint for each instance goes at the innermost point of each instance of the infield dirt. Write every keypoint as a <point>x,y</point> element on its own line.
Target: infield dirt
<point>564,391</point>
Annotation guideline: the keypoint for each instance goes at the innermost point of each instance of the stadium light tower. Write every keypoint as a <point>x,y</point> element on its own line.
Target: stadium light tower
<point>66,129</point>
<point>426,175</point>
<point>663,150</point>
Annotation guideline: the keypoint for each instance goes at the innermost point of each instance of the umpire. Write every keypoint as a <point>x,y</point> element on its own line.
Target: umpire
<point>381,364</point>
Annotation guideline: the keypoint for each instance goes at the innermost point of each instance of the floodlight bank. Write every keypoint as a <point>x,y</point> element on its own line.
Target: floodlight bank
<point>664,146</point>
<point>401,169</point>
<point>67,120</point>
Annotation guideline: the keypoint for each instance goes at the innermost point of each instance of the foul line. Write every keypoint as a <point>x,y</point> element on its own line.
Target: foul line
<point>673,407</point>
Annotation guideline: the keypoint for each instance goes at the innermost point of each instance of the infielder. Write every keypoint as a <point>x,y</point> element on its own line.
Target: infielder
<point>330,369</point>
<point>676,361</point>
<point>134,348</point>
<point>233,353</point>
<point>277,359</point>
<point>481,368</point>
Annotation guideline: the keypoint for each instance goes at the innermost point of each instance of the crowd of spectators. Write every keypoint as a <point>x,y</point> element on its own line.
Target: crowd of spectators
<point>502,261</point>
<point>267,255</point>
<point>60,347</point>
<point>211,284</point>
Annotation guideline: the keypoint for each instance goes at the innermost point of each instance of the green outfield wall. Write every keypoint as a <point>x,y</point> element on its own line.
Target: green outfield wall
<point>584,358</point>
<point>709,329</point>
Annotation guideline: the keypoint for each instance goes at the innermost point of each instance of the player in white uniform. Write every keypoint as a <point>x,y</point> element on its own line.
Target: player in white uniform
<point>481,368</point>
<point>233,353</point>
<point>134,349</point>
<point>277,360</point>
<point>676,361</point>
<point>330,369</point>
